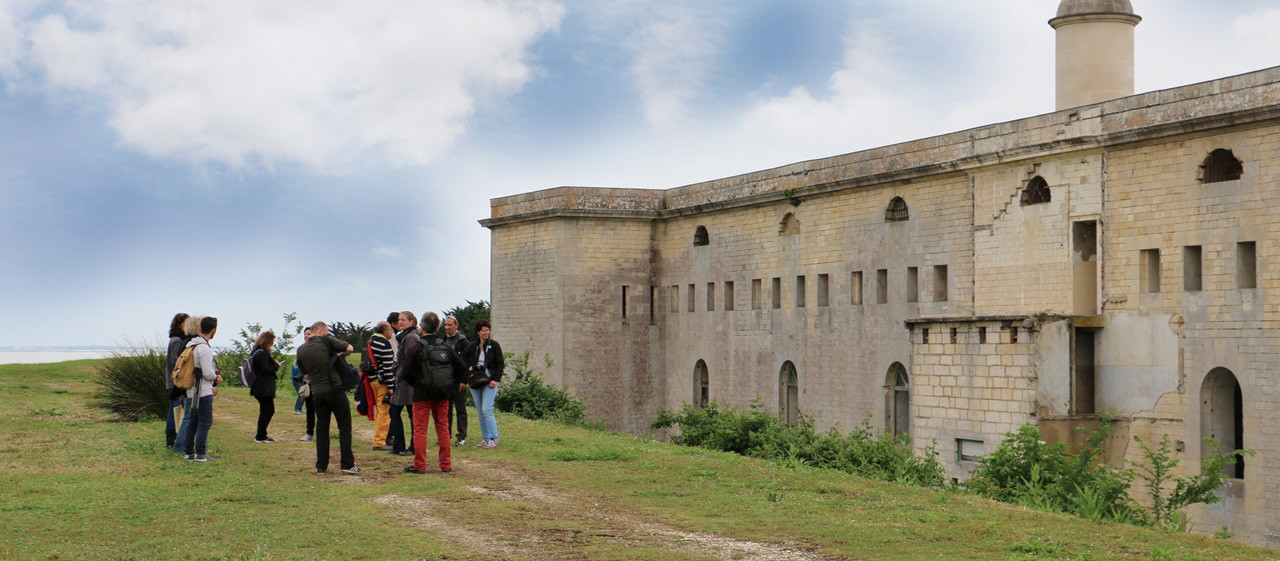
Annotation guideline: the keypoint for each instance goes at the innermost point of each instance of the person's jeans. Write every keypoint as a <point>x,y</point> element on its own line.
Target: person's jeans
<point>483,397</point>
<point>198,433</point>
<point>458,407</point>
<point>180,441</point>
<point>297,403</point>
<point>266,410</point>
<point>395,433</point>
<point>423,412</point>
<point>335,402</point>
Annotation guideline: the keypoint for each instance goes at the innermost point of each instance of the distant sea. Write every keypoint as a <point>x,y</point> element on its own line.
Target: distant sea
<point>45,356</point>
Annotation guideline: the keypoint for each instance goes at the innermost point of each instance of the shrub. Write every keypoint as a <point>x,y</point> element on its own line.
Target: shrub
<point>759,433</point>
<point>130,384</point>
<point>528,396</point>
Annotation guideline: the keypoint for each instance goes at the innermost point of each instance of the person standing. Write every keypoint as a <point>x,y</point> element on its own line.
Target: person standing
<point>429,401</point>
<point>177,341</point>
<point>407,326</point>
<point>315,359</point>
<point>190,328</point>
<point>457,396</point>
<point>486,356</point>
<point>383,360</point>
<point>264,383</point>
<point>297,383</point>
<point>201,394</point>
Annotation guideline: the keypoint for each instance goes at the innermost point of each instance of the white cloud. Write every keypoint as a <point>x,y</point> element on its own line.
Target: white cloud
<point>387,252</point>
<point>674,49</point>
<point>244,82</point>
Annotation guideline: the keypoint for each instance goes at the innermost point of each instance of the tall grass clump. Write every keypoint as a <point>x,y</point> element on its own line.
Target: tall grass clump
<point>528,396</point>
<point>131,384</point>
<point>759,433</point>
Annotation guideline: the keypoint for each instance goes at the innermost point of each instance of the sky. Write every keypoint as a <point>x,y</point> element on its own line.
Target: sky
<point>246,159</point>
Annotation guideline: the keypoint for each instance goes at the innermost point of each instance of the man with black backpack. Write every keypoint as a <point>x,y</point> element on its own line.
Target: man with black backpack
<point>315,360</point>
<point>437,368</point>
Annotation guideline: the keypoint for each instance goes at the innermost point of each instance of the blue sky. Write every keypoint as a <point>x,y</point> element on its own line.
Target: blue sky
<point>245,159</point>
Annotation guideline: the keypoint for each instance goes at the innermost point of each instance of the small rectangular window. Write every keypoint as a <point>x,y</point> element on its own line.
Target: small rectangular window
<point>1191,272</point>
<point>1013,335</point>
<point>757,298</point>
<point>711,297</point>
<point>776,293</point>
<point>800,291</point>
<point>954,335</point>
<point>1149,270</point>
<point>823,291</point>
<point>693,298</point>
<point>913,284</point>
<point>982,335</point>
<point>855,288</point>
<point>728,296</point>
<point>1247,265</point>
<point>969,450</point>
<point>624,302</point>
<point>675,298</point>
<point>882,286</point>
<point>939,283</point>
<point>924,335</point>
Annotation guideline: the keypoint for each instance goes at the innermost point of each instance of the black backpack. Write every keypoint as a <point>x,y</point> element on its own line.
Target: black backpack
<point>437,371</point>
<point>350,378</point>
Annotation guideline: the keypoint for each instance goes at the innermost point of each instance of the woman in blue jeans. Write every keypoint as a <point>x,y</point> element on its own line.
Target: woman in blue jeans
<point>486,356</point>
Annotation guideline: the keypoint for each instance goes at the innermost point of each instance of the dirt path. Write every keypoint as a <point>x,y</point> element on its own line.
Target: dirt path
<point>553,522</point>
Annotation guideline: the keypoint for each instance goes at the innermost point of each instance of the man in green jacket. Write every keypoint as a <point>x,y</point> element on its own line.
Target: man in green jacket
<point>315,361</point>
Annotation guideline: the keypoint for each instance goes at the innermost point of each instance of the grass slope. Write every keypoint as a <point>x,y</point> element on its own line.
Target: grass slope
<point>76,485</point>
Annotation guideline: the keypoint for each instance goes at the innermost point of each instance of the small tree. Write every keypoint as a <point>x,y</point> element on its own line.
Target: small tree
<point>354,334</point>
<point>1157,472</point>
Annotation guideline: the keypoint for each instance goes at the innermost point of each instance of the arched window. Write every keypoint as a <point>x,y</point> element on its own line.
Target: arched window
<point>789,393</point>
<point>896,211</point>
<point>700,237</point>
<point>1221,165</point>
<point>701,385</point>
<point>1222,416</point>
<point>1036,192</point>
<point>790,225</point>
<point>899,401</point>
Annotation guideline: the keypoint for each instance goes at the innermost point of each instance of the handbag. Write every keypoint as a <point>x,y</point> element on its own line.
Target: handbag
<point>477,377</point>
<point>304,391</point>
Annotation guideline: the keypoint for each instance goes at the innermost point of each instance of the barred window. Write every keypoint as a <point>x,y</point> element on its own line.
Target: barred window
<point>1221,165</point>
<point>1036,192</point>
<point>897,210</point>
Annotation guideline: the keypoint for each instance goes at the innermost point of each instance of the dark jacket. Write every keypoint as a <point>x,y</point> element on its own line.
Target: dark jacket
<point>422,392</point>
<point>264,372</point>
<point>493,359</point>
<point>458,342</point>
<point>410,346</point>
<point>177,342</point>
<point>315,360</point>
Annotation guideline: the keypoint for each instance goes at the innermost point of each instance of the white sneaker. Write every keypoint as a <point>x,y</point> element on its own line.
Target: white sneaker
<point>307,438</point>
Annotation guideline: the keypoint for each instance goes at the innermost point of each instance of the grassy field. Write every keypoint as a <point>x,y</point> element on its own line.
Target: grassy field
<point>76,485</point>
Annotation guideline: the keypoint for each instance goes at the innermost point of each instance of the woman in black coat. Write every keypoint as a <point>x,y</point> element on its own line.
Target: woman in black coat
<point>485,357</point>
<point>264,383</point>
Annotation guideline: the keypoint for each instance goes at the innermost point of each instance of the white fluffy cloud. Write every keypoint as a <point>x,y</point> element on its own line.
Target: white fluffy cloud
<point>674,49</point>
<point>319,83</point>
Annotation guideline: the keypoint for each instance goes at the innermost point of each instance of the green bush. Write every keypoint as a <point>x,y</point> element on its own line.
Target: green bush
<point>528,396</point>
<point>131,384</point>
<point>1025,470</point>
<point>759,433</point>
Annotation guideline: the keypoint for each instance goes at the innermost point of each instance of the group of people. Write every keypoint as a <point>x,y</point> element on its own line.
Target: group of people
<point>394,356</point>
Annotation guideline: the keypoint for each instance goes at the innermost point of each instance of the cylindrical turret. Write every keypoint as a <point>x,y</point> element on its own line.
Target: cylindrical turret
<point>1094,52</point>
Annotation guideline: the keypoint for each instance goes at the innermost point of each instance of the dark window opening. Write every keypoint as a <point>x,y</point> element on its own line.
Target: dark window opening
<point>982,335</point>
<point>700,237</point>
<point>924,335</point>
<point>702,385</point>
<point>897,210</point>
<point>1221,165</point>
<point>1036,192</point>
<point>789,394</point>
<point>954,335</point>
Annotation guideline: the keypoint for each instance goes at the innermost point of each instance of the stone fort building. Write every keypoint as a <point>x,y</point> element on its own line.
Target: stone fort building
<point>1110,257</point>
